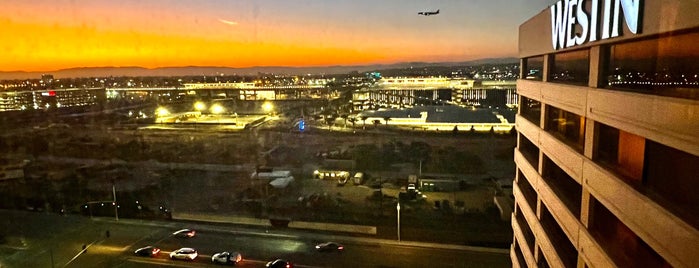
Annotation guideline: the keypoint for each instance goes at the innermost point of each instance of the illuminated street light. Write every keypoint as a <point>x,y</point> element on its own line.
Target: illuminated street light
<point>162,111</point>
<point>199,106</point>
<point>267,107</point>
<point>217,109</point>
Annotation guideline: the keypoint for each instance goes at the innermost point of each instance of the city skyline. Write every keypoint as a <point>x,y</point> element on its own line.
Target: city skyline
<point>53,35</point>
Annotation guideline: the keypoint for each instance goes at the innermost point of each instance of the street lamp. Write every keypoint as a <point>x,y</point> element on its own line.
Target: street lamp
<point>161,112</point>
<point>267,107</point>
<point>398,210</point>
<point>199,106</point>
<point>116,207</point>
<point>218,110</point>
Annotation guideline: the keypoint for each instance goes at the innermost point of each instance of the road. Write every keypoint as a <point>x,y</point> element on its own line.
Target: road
<point>38,239</point>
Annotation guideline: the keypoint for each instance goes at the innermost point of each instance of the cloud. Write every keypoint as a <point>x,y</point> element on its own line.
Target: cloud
<point>232,23</point>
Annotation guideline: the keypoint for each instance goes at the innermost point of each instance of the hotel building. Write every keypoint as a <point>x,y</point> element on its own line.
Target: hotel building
<point>608,145</point>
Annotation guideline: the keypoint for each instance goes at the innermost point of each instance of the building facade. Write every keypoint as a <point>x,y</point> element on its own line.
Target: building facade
<point>50,98</point>
<point>608,136</point>
<point>401,92</point>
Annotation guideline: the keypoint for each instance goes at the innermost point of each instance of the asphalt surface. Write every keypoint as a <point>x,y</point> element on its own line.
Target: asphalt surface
<point>49,240</point>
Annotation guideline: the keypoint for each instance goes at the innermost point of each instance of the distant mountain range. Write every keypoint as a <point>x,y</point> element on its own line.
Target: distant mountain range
<point>209,70</point>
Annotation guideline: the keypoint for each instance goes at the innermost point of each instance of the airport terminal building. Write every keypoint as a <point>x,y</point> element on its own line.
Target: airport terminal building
<point>608,136</point>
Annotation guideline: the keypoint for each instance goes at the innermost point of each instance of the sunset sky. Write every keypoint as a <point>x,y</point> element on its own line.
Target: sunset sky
<point>57,34</point>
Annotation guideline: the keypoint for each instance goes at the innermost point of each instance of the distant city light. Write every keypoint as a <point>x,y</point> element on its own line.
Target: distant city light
<point>162,111</point>
<point>267,106</point>
<point>217,109</point>
<point>199,106</point>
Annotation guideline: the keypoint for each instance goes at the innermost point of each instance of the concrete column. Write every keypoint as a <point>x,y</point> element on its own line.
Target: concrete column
<point>589,138</point>
<point>599,56</point>
<point>548,66</point>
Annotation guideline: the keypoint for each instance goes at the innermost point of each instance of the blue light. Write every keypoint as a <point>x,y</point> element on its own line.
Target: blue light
<point>302,125</point>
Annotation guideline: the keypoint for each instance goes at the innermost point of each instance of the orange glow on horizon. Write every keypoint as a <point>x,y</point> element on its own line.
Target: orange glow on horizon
<point>52,36</point>
<point>55,47</point>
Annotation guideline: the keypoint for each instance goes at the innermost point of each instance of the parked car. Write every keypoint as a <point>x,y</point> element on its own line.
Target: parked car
<point>184,254</point>
<point>330,246</point>
<point>227,258</point>
<point>149,251</point>
<point>279,263</point>
<point>185,233</point>
<point>358,178</point>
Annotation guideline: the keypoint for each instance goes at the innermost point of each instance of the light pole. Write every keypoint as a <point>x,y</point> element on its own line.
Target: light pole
<point>267,107</point>
<point>160,113</point>
<point>420,174</point>
<point>199,106</point>
<point>116,210</point>
<point>218,110</point>
<point>398,210</point>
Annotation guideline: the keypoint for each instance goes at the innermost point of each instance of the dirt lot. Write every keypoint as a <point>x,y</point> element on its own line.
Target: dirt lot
<point>135,157</point>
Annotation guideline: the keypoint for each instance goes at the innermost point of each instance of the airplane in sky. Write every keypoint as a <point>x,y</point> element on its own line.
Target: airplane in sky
<point>428,13</point>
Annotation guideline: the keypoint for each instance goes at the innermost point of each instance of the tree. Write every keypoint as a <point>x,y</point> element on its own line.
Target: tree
<point>386,119</point>
<point>344,117</point>
<point>352,120</point>
<point>364,118</point>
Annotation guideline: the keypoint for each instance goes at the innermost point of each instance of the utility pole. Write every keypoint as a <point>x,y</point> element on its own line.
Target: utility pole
<point>116,210</point>
<point>398,220</point>
<point>420,172</point>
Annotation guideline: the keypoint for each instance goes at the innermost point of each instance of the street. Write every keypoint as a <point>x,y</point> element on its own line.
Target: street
<point>49,240</point>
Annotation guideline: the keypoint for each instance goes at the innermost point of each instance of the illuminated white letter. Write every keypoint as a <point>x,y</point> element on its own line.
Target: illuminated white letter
<point>631,9</point>
<point>582,20</point>
<point>570,26</point>
<point>593,21</point>
<point>558,25</point>
<point>607,15</point>
<point>615,22</point>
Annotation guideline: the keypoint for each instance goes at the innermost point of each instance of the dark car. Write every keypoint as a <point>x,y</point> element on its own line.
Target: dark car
<point>185,233</point>
<point>279,263</point>
<point>330,246</point>
<point>149,251</point>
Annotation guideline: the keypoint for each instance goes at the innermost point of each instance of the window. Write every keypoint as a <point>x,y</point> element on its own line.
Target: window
<point>533,68</point>
<point>666,66</point>
<point>566,126</point>
<point>571,67</point>
<point>566,251</point>
<point>542,262</point>
<point>530,109</point>
<point>564,186</point>
<point>529,151</point>
<point>520,256</point>
<point>524,225</point>
<point>672,179</point>
<point>622,245</point>
<point>662,173</point>
<point>527,191</point>
<point>620,150</point>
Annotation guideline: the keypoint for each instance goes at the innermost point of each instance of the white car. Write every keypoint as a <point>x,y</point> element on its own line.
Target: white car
<point>184,254</point>
<point>227,258</point>
<point>186,233</point>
